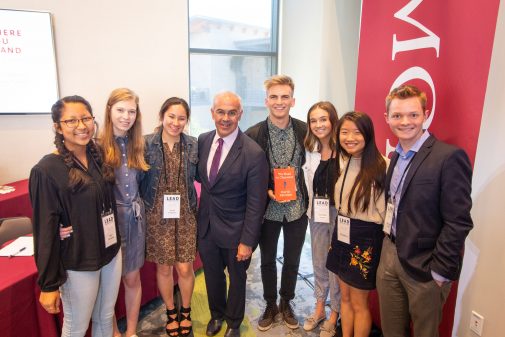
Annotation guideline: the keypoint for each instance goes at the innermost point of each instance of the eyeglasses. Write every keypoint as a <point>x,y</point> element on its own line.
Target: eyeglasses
<point>74,122</point>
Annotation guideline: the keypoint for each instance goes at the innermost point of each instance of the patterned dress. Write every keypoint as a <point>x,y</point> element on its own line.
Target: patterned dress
<point>171,240</point>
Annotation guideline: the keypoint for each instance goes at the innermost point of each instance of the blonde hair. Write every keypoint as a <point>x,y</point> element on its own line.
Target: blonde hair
<point>135,147</point>
<point>279,80</point>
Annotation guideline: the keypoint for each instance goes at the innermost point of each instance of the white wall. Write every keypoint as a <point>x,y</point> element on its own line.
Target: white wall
<point>482,283</point>
<point>101,45</point>
<point>319,50</point>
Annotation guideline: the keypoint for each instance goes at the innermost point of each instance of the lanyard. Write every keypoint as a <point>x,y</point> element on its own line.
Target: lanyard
<point>327,169</point>
<point>403,176</point>
<point>164,165</point>
<point>343,182</point>
<point>270,144</point>
<point>102,195</point>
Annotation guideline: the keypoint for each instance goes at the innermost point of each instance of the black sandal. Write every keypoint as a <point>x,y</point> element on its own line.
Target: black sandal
<point>184,331</point>
<point>174,332</point>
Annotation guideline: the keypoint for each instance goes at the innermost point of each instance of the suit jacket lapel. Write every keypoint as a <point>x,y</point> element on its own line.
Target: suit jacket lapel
<point>424,151</point>
<point>207,143</point>
<point>230,158</point>
<point>391,168</point>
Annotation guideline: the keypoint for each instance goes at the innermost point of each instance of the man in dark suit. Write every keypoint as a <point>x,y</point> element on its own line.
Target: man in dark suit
<point>427,220</point>
<point>234,175</point>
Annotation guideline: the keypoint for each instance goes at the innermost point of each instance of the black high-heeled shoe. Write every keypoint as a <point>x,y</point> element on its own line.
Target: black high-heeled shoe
<point>173,332</point>
<point>184,331</point>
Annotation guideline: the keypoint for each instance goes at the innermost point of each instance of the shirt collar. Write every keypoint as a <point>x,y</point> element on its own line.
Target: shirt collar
<point>228,140</point>
<point>274,127</point>
<point>122,138</point>
<point>415,148</point>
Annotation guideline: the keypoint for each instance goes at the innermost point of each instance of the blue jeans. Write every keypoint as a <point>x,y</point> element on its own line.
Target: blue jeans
<point>90,294</point>
<point>325,281</point>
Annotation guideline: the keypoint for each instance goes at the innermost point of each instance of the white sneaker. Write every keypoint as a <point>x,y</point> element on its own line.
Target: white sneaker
<point>311,322</point>
<point>327,329</point>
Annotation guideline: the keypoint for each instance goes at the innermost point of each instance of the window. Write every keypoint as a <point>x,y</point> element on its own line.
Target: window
<point>232,46</point>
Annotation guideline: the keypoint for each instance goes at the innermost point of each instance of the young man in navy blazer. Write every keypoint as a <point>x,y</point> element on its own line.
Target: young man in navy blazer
<point>428,218</point>
<point>234,175</point>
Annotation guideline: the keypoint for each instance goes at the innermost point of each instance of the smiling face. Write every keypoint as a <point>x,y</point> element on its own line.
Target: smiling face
<point>351,139</point>
<point>279,101</point>
<point>226,113</point>
<point>405,118</point>
<point>76,138</point>
<point>320,124</point>
<point>174,121</point>
<point>123,115</point>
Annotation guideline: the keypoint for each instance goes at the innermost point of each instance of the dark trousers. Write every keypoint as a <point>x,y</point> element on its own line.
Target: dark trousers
<point>215,259</point>
<point>294,237</point>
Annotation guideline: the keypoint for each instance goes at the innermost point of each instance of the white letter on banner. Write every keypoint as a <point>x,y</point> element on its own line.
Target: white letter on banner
<point>407,75</point>
<point>430,41</point>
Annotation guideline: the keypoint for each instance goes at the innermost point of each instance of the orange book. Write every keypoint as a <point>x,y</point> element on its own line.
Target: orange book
<point>284,184</point>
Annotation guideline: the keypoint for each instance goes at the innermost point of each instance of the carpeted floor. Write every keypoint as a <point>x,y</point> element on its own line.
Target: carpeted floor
<point>153,316</point>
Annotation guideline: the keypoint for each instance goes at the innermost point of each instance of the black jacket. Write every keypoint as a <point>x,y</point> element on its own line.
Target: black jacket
<point>53,204</point>
<point>434,211</point>
<point>259,133</point>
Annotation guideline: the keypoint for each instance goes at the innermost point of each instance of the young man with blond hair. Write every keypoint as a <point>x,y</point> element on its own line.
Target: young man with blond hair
<point>281,137</point>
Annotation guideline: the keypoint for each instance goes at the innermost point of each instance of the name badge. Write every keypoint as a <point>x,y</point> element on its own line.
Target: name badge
<point>171,206</point>
<point>344,229</point>
<point>109,229</point>
<point>284,184</point>
<point>388,219</point>
<point>322,210</point>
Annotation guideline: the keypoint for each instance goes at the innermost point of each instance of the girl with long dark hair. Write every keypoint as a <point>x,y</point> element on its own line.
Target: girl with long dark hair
<point>357,239</point>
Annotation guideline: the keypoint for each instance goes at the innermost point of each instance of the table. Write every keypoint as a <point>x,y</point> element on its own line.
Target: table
<point>20,312</point>
<point>16,203</point>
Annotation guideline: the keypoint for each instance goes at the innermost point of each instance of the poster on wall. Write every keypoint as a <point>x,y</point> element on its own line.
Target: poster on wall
<point>28,74</point>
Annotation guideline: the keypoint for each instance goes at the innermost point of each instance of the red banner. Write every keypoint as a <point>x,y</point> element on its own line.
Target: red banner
<point>443,47</point>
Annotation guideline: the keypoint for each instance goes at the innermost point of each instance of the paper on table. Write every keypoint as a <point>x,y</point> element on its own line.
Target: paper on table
<point>4,189</point>
<point>14,248</point>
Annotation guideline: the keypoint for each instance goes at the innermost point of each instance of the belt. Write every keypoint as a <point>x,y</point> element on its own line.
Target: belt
<point>391,237</point>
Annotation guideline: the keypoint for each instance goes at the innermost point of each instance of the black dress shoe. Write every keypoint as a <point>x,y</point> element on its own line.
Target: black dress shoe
<point>231,332</point>
<point>213,327</point>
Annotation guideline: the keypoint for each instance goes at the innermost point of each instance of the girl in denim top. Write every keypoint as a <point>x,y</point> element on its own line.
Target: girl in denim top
<point>171,227</point>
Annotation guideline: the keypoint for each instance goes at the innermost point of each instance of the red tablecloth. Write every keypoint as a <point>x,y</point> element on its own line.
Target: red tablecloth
<point>16,203</point>
<point>21,314</point>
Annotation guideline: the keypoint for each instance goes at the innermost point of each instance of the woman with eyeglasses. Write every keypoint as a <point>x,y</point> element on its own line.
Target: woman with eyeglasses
<point>72,187</point>
<point>170,199</point>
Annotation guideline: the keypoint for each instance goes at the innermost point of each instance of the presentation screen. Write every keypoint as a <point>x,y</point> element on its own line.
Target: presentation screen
<point>28,74</point>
